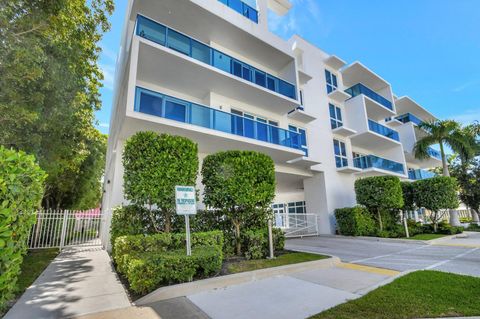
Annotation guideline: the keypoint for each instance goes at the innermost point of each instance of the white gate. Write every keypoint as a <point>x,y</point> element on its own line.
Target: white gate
<point>63,228</point>
<point>297,225</point>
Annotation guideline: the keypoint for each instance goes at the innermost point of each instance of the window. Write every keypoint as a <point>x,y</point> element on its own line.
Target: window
<point>302,132</point>
<point>296,208</point>
<point>331,81</point>
<point>335,116</point>
<point>340,153</point>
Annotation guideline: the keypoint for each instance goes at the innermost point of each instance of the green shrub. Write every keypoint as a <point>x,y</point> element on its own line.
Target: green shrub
<point>381,195</point>
<point>415,228</point>
<point>153,165</point>
<point>435,194</point>
<point>240,184</point>
<point>354,221</point>
<point>146,272</point>
<point>21,191</point>
<point>129,220</point>
<point>256,245</point>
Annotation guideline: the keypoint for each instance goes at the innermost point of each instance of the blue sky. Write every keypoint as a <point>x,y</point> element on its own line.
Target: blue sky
<point>427,49</point>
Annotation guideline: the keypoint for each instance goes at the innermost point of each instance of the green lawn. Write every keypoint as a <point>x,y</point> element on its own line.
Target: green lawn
<point>283,259</point>
<point>420,294</point>
<point>33,264</point>
<point>426,236</point>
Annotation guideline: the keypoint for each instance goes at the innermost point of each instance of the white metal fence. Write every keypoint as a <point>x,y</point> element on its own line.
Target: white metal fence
<point>63,228</point>
<point>297,225</point>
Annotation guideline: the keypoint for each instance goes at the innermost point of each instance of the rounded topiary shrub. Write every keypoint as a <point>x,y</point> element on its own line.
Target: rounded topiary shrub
<point>354,221</point>
<point>242,185</point>
<point>21,191</point>
<point>153,165</point>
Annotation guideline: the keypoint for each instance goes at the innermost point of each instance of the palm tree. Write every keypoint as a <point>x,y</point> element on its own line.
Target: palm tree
<point>445,133</point>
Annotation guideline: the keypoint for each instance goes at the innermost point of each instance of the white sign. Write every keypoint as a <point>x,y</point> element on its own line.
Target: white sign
<point>185,200</point>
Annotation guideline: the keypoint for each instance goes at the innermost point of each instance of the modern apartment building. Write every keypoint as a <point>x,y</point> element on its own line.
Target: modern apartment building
<point>211,71</point>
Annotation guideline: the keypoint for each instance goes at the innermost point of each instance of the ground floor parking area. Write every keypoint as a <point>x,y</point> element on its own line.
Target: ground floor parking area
<point>458,255</point>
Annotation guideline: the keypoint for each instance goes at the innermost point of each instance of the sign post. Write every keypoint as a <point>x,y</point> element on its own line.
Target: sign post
<point>186,205</point>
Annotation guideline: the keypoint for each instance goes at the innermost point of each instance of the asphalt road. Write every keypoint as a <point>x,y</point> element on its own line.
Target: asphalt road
<point>449,256</point>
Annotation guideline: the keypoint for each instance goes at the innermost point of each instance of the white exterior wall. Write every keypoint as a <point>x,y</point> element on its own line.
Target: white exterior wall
<point>314,179</point>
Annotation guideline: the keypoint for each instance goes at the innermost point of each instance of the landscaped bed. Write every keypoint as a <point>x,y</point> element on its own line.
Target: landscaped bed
<point>427,236</point>
<point>421,294</point>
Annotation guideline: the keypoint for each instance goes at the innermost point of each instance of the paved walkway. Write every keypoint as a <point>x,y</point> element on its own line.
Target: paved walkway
<point>78,281</point>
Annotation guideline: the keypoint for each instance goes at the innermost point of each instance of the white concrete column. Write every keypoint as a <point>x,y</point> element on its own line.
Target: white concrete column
<point>316,203</point>
<point>475,219</point>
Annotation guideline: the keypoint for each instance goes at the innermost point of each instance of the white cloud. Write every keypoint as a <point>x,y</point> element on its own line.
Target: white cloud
<point>108,71</point>
<point>464,86</point>
<point>467,117</point>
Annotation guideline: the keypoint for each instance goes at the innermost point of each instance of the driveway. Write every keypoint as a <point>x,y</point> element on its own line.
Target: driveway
<point>455,255</point>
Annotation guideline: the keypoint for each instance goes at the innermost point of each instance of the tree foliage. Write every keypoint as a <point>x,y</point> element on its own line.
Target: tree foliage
<point>241,184</point>
<point>379,194</point>
<point>21,190</point>
<point>468,177</point>
<point>49,90</point>
<point>408,191</point>
<point>153,165</point>
<point>435,194</point>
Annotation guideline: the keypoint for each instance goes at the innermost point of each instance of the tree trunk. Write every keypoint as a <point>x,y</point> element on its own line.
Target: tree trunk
<point>444,161</point>
<point>238,243</point>
<point>168,221</point>
<point>379,216</point>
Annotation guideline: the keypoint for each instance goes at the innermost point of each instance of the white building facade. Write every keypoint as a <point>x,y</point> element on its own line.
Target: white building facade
<point>211,71</point>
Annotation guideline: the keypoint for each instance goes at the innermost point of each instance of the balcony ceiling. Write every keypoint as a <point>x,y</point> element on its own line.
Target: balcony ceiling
<point>199,79</point>
<point>358,73</point>
<point>405,104</point>
<point>372,141</point>
<point>207,27</point>
<point>430,162</point>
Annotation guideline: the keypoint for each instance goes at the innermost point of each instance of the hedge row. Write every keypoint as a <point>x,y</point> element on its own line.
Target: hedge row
<point>21,190</point>
<point>255,242</point>
<point>148,261</point>
<point>355,221</point>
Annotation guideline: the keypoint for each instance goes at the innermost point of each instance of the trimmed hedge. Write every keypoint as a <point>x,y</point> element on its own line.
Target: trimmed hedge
<point>164,253</point>
<point>355,221</point>
<point>146,272</point>
<point>256,242</point>
<point>21,190</point>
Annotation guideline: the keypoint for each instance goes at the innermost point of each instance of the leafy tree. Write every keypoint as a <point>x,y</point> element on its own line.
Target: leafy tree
<point>49,79</point>
<point>379,194</point>
<point>153,165</point>
<point>468,177</point>
<point>241,184</point>
<point>408,191</point>
<point>444,132</point>
<point>435,194</point>
<point>21,190</point>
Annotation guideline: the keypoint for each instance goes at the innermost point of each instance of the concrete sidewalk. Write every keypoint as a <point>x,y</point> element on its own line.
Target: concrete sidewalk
<point>80,280</point>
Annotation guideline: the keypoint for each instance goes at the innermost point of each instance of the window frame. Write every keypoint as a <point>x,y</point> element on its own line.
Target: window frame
<point>334,121</point>
<point>331,79</point>
<point>342,157</point>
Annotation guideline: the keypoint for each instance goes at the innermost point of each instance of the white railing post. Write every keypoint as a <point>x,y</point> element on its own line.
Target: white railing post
<point>64,229</point>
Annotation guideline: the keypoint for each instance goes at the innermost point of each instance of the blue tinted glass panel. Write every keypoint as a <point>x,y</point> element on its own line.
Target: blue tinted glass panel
<point>237,68</point>
<point>236,5</point>
<point>271,83</point>
<point>223,122</point>
<point>303,137</point>
<point>260,78</point>
<point>246,73</point>
<point>286,89</point>
<point>332,110</point>
<point>175,110</point>
<point>262,131</point>
<point>221,61</point>
<point>328,77</point>
<point>178,42</point>
<point>249,128</point>
<point>200,52</point>
<point>151,30</point>
<point>200,116</point>
<point>150,104</point>
<point>237,125</point>
<point>334,80</point>
<point>274,135</point>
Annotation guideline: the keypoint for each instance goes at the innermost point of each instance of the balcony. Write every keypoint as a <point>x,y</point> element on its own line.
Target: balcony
<point>408,117</point>
<point>242,8</point>
<point>417,174</point>
<point>434,153</point>
<point>359,88</point>
<point>164,106</point>
<point>372,162</point>
<point>383,130</point>
<point>194,49</point>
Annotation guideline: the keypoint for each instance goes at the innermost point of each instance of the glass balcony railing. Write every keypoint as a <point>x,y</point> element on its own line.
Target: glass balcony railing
<point>157,104</point>
<point>372,161</point>
<point>179,42</point>
<point>409,117</point>
<point>417,174</point>
<point>383,130</point>
<point>434,153</point>
<point>359,88</point>
<point>242,8</point>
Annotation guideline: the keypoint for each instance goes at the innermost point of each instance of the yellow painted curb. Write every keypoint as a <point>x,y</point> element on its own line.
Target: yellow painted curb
<point>374,270</point>
<point>457,245</point>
